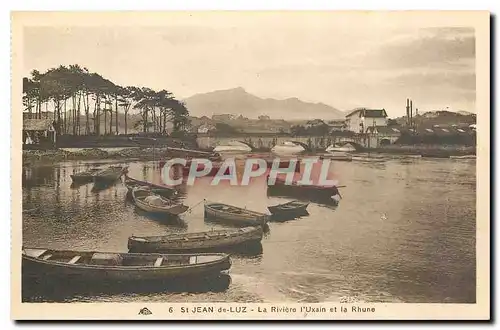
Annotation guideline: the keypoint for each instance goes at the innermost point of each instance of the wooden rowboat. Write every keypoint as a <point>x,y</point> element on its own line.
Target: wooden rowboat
<point>120,266</point>
<point>234,215</point>
<point>368,159</point>
<point>109,175</point>
<point>338,156</point>
<point>130,180</point>
<point>316,193</point>
<point>148,201</point>
<point>463,157</point>
<point>289,210</point>
<point>201,241</point>
<point>163,191</point>
<point>85,176</point>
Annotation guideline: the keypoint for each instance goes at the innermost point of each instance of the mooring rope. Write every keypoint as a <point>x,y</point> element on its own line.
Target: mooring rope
<point>192,207</point>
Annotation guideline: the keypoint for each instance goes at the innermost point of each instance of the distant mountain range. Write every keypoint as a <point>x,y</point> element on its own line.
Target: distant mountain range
<point>239,102</point>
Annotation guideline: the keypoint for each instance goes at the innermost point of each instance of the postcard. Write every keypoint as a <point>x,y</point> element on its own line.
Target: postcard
<point>251,165</point>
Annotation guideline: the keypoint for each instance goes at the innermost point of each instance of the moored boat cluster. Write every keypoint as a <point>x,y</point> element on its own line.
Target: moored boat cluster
<point>174,255</point>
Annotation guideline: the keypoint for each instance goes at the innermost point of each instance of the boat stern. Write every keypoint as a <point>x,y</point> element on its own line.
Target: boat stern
<point>135,243</point>
<point>226,263</point>
<point>263,220</point>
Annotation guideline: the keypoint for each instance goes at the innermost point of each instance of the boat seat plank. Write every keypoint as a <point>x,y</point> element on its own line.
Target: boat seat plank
<point>158,262</point>
<point>74,260</point>
<point>34,253</point>
<point>47,256</point>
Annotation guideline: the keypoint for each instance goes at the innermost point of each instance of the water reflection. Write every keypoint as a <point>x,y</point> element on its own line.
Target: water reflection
<point>404,231</point>
<point>176,221</point>
<point>64,289</point>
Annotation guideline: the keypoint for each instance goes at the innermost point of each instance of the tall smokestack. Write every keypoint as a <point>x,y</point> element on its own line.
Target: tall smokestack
<point>407,112</point>
<point>416,114</point>
<point>411,112</point>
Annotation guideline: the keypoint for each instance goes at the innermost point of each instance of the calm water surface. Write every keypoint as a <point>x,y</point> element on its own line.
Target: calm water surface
<point>403,232</point>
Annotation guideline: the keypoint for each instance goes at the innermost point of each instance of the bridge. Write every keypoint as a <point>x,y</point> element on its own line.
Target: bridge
<point>268,141</point>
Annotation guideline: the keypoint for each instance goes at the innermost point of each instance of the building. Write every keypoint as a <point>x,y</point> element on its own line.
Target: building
<point>360,119</point>
<point>315,123</point>
<point>337,125</point>
<point>382,135</point>
<point>39,132</point>
<point>205,128</point>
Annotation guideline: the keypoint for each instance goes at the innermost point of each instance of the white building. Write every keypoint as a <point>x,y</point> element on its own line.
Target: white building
<point>359,120</point>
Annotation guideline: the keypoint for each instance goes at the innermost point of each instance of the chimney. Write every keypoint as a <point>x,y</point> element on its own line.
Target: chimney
<point>416,114</point>
<point>407,112</point>
<point>411,112</point>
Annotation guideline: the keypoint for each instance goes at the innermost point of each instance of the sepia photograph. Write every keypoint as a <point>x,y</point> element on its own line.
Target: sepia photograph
<point>250,165</point>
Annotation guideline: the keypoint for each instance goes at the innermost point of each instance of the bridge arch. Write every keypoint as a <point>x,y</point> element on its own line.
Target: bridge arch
<point>355,144</point>
<point>304,145</point>
<point>385,142</point>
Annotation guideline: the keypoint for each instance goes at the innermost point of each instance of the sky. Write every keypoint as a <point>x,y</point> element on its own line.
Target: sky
<point>343,62</point>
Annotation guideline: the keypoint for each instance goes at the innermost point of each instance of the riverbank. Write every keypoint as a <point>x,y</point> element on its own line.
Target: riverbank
<point>433,151</point>
<point>41,157</point>
<point>36,157</point>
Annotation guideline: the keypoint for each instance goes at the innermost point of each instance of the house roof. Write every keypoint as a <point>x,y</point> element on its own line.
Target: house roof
<point>368,113</point>
<point>315,122</point>
<point>37,124</point>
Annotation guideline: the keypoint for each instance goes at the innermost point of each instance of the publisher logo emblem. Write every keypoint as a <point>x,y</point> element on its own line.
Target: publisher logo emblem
<point>145,311</point>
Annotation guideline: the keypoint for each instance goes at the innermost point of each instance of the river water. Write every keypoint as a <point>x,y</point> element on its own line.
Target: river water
<point>404,231</point>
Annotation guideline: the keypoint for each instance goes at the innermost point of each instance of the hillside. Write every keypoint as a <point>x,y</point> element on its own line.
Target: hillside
<point>239,102</point>
<point>445,118</point>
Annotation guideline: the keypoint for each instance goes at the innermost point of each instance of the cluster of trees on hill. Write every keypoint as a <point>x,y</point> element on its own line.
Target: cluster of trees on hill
<point>81,98</point>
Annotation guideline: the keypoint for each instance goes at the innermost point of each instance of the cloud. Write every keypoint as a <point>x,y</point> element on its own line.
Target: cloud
<point>445,47</point>
<point>454,80</point>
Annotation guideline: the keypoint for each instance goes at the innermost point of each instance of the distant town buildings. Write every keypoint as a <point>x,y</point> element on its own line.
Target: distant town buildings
<point>337,125</point>
<point>315,123</point>
<point>224,117</point>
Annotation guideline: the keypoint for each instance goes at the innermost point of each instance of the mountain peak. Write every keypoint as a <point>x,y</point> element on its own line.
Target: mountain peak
<point>238,101</point>
<point>238,90</point>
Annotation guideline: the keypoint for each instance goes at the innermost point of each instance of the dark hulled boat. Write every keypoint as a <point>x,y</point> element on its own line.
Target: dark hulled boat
<point>84,176</point>
<point>317,193</point>
<point>110,266</point>
<point>289,210</point>
<point>163,191</point>
<point>109,175</point>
